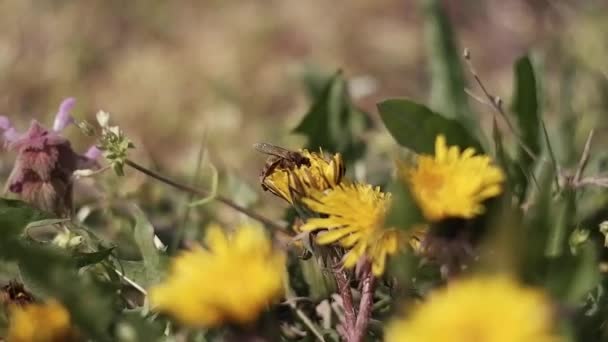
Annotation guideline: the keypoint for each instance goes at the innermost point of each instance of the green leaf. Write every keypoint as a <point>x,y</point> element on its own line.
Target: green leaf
<point>333,123</point>
<point>15,215</point>
<point>515,176</point>
<point>85,259</point>
<point>537,223</point>
<point>315,80</point>
<point>563,212</point>
<point>321,284</point>
<point>447,77</point>
<point>133,326</point>
<point>134,270</point>
<point>404,213</point>
<point>144,238</point>
<point>526,109</point>
<point>571,277</point>
<point>416,126</point>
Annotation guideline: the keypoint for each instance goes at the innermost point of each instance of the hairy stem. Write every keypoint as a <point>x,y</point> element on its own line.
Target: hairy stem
<point>350,316</point>
<point>366,304</point>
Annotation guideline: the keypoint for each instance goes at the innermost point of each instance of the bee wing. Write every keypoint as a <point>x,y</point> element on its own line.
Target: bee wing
<point>272,150</point>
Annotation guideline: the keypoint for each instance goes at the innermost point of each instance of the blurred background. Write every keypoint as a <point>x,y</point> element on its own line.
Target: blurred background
<point>172,72</point>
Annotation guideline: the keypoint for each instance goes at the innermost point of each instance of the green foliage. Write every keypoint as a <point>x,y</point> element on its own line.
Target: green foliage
<point>447,77</point>
<point>526,107</point>
<point>527,114</point>
<point>144,238</point>
<point>546,230</point>
<point>333,122</point>
<point>15,215</point>
<point>415,126</point>
<point>404,213</point>
<point>320,283</point>
<point>114,143</point>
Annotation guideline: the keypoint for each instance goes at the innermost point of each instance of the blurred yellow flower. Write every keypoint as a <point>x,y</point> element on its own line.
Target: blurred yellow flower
<point>482,309</point>
<point>233,280</point>
<point>322,174</point>
<point>49,322</point>
<point>451,183</point>
<point>354,218</point>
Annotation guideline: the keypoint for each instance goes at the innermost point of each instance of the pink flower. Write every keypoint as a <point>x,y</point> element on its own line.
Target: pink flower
<point>42,174</point>
<point>63,117</point>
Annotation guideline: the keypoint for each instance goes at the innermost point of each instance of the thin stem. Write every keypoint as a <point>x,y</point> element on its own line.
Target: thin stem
<point>179,234</point>
<point>366,304</point>
<point>496,103</point>
<point>584,158</point>
<point>268,223</point>
<point>551,154</point>
<point>131,282</point>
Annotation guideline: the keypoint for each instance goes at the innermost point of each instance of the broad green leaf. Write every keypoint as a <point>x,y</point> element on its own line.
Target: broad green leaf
<point>134,271</point>
<point>321,284</point>
<point>415,126</point>
<point>447,77</point>
<point>333,123</point>
<point>571,277</point>
<point>505,162</point>
<point>144,238</point>
<point>526,109</point>
<point>563,212</point>
<point>404,213</point>
<point>518,176</point>
<point>315,80</point>
<point>133,326</point>
<point>15,215</point>
<point>537,222</point>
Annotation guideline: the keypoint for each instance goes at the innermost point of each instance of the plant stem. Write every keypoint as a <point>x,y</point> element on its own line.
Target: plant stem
<point>179,234</point>
<point>268,223</point>
<point>350,316</point>
<point>495,103</point>
<point>366,304</point>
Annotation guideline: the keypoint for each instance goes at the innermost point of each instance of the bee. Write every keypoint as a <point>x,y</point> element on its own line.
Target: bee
<point>15,293</point>
<point>279,158</point>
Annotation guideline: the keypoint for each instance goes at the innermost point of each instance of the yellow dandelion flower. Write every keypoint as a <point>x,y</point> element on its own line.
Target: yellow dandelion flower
<point>49,322</point>
<point>482,309</point>
<point>300,180</point>
<point>354,218</point>
<point>233,280</point>
<point>451,183</point>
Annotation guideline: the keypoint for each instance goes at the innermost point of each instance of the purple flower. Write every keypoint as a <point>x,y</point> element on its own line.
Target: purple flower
<point>42,174</point>
<point>63,117</point>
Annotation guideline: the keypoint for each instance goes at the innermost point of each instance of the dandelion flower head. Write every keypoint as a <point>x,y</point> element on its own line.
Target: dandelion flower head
<point>482,309</point>
<point>353,216</point>
<point>453,183</point>
<point>233,280</point>
<point>300,180</point>
<point>48,322</point>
